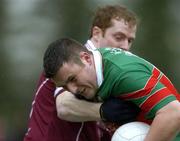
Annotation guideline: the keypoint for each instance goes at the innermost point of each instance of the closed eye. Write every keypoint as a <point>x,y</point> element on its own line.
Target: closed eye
<point>71,78</point>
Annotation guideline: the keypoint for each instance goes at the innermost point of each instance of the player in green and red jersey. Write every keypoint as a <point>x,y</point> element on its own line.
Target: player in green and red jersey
<point>136,80</point>
<point>110,72</point>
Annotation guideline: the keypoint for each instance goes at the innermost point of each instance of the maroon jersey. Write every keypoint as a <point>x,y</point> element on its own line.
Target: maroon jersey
<point>44,125</point>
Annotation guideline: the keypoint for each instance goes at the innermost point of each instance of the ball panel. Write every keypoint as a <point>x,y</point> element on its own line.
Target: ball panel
<point>133,131</point>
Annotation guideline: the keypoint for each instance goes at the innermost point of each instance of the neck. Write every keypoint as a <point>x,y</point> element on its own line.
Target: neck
<point>95,43</point>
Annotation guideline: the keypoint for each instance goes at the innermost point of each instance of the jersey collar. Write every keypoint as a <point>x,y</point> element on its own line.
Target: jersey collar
<point>97,60</point>
<point>98,66</point>
<point>89,45</point>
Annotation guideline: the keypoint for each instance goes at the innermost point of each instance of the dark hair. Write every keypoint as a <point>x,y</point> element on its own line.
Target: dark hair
<point>104,15</point>
<point>59,52</point>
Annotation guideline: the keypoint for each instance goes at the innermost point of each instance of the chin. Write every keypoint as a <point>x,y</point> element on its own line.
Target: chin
<point>89,97</point>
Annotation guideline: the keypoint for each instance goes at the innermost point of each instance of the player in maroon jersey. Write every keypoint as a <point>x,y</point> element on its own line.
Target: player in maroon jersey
<point>44,124</point>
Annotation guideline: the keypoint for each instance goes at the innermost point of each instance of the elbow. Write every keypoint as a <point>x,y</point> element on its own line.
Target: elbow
<point>175,112</point>
<point>178,116</point>
<point>171,113</point>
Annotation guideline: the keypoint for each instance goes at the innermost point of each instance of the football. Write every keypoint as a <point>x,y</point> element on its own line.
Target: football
<point>133,131</point>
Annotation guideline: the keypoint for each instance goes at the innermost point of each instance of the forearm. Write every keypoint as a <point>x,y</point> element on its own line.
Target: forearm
<point>166,124</point>
<point>72,109</point>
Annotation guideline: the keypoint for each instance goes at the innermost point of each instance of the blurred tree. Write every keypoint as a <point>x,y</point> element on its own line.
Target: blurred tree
<point>151,38</point>
<point>5,96</point>
<point>75,19</point>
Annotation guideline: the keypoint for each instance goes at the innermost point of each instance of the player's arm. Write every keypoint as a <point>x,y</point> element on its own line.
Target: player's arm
<point>166,123</point>
<point>72,109</point>
<point>157,101</point>
<point>113,110</point>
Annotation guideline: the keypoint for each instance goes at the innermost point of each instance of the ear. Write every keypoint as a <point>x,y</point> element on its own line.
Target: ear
<point>97,33</point>
<point>85,57</point>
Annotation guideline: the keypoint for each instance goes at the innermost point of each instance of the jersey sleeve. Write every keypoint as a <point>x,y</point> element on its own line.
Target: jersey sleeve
<point>145,89</point>
<point>132,78</point>
<point>58,91</point>
<point>139,84</point>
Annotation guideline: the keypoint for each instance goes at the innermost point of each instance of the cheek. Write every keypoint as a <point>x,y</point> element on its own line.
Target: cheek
<point>106,42</point>
<point>89,78</point>
<point>109,40</point>
<point>84,77</point>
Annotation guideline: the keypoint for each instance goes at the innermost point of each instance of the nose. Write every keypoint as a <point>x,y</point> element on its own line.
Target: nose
<point>125,45</point>
<point>72,87</point>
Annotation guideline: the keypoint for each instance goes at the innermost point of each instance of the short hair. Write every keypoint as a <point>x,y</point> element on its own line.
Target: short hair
<point>59,52</point>
<point>104,15</point>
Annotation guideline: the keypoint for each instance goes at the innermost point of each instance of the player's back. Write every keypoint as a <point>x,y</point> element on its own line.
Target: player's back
<point>131,62</point>
<point>135,79</point>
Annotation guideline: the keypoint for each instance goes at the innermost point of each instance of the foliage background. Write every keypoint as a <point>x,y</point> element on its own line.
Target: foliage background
<point>28,26</point>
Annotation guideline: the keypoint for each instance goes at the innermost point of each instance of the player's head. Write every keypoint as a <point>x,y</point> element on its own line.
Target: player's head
<point>113,26</point>
<point>71,65</point>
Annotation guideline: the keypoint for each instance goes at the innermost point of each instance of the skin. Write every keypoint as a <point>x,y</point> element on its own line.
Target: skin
<point>78,79</point>
<point>166,124</point>
<point>71,108</point>
<point>119,35</point>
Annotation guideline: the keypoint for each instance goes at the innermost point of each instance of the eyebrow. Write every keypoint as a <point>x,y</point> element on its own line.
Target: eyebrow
<point>58,83</point>
<point>122,34</point>
<point>63,84</point>
<point>119,33</point>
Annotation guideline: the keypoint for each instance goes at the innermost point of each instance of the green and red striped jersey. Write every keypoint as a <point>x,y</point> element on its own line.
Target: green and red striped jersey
<point>132,78</point>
